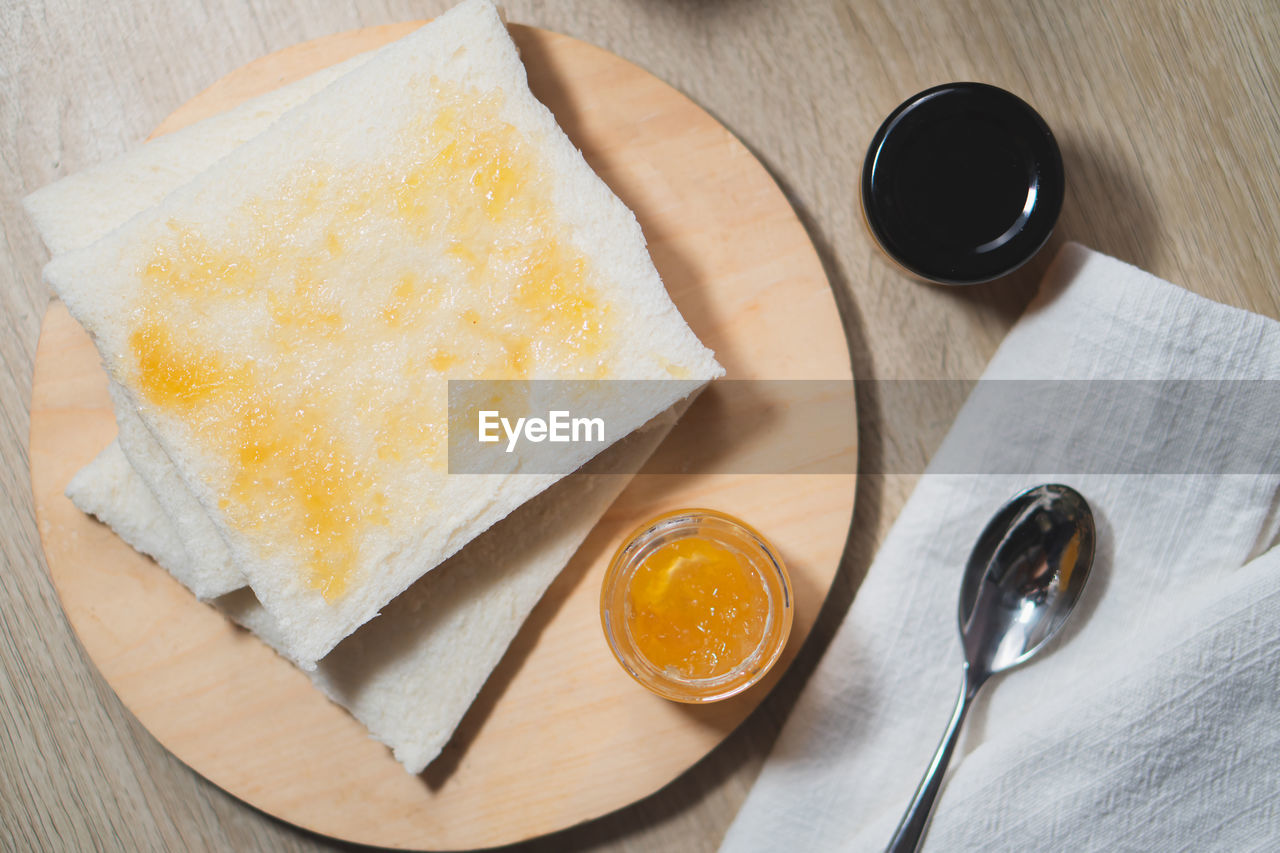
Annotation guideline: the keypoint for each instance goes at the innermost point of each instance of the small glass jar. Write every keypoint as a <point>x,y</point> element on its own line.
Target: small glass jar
<point>696,605</point>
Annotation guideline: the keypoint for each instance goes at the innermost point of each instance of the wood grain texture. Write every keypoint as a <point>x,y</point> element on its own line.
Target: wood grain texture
<point>559,734</point>
<point>1169,117</point>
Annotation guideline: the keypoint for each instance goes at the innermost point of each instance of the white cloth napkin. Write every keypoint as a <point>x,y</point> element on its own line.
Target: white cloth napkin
<point>1152,723</point>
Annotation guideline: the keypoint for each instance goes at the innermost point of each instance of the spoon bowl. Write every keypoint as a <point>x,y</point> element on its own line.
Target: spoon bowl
<point>1023,578</point>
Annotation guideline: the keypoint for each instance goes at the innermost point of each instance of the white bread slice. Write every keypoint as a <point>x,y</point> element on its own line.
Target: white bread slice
<point>208,570</point>
<point>409,675</point>
<point>78,210</point>
<point>111,490</point>
<point>356,121</point>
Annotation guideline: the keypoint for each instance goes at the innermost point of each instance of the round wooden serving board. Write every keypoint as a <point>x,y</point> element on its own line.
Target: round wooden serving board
<point>560,733</point>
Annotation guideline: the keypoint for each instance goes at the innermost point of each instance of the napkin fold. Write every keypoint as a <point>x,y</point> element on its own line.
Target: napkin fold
<point>1153,721</point>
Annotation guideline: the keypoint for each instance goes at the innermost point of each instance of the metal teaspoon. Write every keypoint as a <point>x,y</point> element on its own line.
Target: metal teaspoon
<point>1023,577</point>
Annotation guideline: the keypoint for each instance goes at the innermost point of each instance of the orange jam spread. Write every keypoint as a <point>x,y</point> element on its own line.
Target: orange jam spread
<point>696,609</point>
<point>303,341</point>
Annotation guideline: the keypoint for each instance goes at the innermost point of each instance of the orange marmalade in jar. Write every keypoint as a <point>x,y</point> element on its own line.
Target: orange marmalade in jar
<point>696,605</point>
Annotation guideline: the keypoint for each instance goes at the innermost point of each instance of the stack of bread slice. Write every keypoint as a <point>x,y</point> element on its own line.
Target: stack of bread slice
<point>280,294</point>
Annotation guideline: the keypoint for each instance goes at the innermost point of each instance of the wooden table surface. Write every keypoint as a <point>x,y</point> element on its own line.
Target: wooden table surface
<point>1168,115</point>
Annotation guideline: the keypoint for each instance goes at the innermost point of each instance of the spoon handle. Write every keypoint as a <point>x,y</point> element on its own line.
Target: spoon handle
<point>910,832</point>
